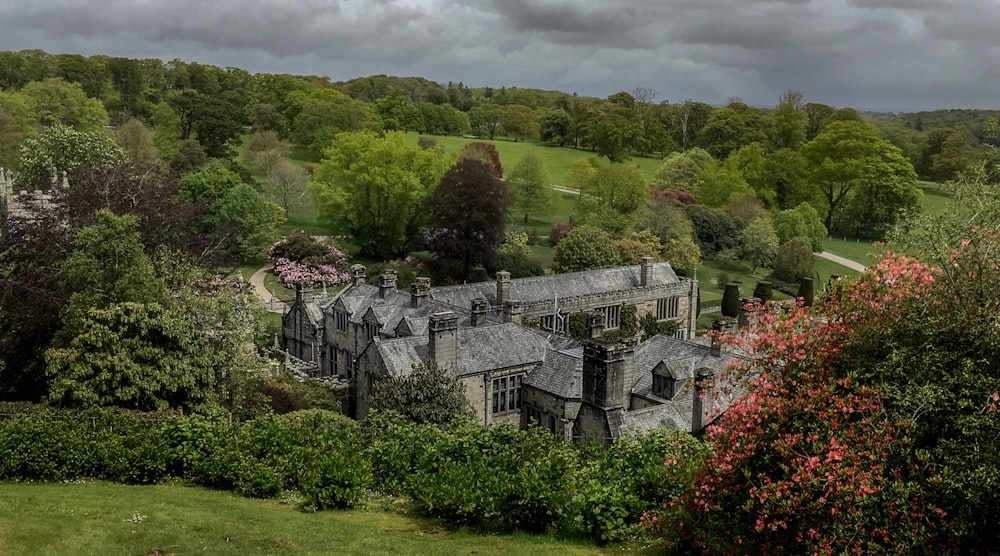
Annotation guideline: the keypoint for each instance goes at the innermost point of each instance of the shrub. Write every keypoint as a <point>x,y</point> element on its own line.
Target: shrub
<point>794,260</point>
<point>518,265</point>
<point>559,231</point>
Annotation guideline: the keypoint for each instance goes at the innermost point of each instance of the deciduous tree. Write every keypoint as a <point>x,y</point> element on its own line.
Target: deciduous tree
<point>529,183</point>
<point>585,248</point>
<point>374,188</point>
<point>427,395</point>
<point>466,215</point>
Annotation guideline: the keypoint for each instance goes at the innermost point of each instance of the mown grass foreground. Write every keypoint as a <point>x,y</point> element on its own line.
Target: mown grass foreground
<point>105,518</point>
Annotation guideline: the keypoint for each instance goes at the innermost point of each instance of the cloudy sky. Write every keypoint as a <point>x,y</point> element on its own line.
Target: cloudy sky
<point>869,54</point>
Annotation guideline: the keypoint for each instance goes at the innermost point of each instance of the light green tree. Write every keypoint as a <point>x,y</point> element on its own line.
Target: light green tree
<point>683,254</point>
<point>320,114</point>
<point>848,157</point>
<point>759,243</point>
<point>678,171</point>
<point>802,221</point>
<point>63,149</point>
<point>373,187</point>
<point>585,248</point>
<point>612,197</point>
<point>55,101</point>
<point>794,260</point>
<point>529,182</point>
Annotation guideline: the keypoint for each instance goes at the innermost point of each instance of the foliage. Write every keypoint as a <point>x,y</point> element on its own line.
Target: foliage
<point>585,248</point>
<point>483,152</point>
<point>518,264</point>
<point>612,195</point>
<point>374,189</point>
<point>850,437</point>
<point>58,102</point>
<point>651,327</point>
<point>132,355</point>
<point>429,394</point>
<point>759,243</point>
<point>559,232</point>
<point>683,254</point>
<point>794,260</point>
<point>529,183</point>
<point>63,149</point>
<point>633,248</point>
<point>466,214</point>
<point>321,114</point>
<point>802,221</point>
<point>714,231</point>
<point>678,172</point>
<point>137,141</point>
<point>514,243</point>
<point>298,258</point>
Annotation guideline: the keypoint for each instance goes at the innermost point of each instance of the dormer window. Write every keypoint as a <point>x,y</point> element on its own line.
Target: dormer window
<point>667,382</point>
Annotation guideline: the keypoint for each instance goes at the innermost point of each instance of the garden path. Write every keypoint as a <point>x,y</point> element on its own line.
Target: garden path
<point>853,265</point>
<point>268,300</point>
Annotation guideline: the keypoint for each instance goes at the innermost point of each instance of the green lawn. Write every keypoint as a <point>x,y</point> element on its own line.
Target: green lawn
<point>557,159</point>
<point>935,200</point>
<point>102,518</point>
<point>859,251</point>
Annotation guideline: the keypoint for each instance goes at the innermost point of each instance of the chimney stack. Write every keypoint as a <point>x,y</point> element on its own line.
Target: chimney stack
<point>512,311</point>
<point>420,290</point>
<point>442,340</point>
<point>603,374</point>
<point>386,282</point>
<point>303,293</point>
<point>595,325</point>
<point>646,272</point>
<point>503,287</point>
<point>479,311</point>
<point>358,275</point>
<point>701,406</point>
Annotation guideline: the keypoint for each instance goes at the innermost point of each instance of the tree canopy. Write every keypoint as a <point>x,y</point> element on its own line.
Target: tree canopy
<point>374,187</point>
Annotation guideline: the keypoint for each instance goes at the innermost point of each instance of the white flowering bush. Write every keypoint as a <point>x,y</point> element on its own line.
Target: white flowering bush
<point>300,259</point>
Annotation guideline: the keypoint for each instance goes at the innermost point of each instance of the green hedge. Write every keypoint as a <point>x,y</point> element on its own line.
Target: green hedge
<point>493,478</point>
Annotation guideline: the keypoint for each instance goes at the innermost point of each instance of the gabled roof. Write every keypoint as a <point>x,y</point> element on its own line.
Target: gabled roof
<point>480,349</point>
<point>561,374</point>
<point>550,286</point>
<point>682,358</point>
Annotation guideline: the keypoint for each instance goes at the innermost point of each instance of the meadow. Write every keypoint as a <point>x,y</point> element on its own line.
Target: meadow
<point>104,518</point>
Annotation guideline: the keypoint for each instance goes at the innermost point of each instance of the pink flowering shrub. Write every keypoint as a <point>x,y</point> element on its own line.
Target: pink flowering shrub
<point>301,259</point>
<point>819,457</point>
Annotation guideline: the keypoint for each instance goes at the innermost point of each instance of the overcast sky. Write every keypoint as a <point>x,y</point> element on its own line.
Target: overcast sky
<point>869,54</point>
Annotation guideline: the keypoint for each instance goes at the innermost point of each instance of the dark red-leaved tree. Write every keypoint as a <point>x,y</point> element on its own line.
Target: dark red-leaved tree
<point>465,216</point>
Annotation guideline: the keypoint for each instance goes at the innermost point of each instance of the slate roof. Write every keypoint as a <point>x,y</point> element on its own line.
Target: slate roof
<point>480,349</point>
<point>394,307</point>
<point>546,288</point>
<point>561,374</point>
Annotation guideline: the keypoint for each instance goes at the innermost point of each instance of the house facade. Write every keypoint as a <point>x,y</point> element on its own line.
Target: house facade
<point>371,331</point>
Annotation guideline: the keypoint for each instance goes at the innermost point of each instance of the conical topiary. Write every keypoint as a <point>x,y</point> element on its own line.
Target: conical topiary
<point>763,291</point>
<point>731,300</point>
<point>806,292</point>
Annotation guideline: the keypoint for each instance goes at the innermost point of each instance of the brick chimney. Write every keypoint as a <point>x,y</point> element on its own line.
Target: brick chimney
<point>420,290</point>
<point>386,283</point>
<point>442,340</point>
<point>646,272</point>
<point>358,275</point>
<point>503,287</point>
<point>479,311</point>
<point>702,404</point>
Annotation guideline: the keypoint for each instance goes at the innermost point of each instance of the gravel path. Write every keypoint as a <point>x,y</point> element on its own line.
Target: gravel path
<point>267,299</point>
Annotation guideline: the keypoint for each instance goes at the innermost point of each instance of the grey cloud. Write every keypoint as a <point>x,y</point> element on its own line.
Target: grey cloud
<point>866,53</point>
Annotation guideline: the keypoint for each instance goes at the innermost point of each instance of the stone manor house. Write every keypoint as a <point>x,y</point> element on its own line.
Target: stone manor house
<point>514,372</point>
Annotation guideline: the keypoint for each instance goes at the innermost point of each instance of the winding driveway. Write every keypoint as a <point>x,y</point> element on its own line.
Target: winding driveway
<point>853,265</point>
<point>270,303</point>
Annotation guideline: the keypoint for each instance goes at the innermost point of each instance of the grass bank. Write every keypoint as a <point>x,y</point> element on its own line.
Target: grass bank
<point>103,518</point>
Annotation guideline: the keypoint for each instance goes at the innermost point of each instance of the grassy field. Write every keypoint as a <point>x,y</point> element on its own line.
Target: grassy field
<point>859,251</point>
<point>557,159</point>
<point>102,518</point>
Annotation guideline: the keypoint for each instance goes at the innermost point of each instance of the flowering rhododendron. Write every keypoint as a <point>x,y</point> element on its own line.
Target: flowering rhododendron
<point>300,259</point>
<point>813,459</point>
